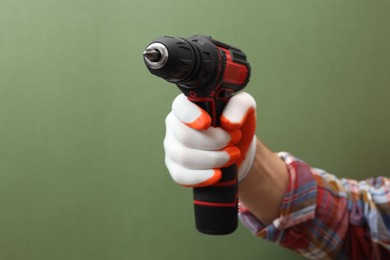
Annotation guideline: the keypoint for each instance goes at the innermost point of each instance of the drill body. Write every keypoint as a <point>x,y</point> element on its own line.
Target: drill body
<point>208,72</point>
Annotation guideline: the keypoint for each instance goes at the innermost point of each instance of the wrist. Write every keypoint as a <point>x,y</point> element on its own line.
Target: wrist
<point>263,189</point>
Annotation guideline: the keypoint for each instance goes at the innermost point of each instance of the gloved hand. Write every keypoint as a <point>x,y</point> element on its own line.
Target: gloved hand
<point>195,152</point>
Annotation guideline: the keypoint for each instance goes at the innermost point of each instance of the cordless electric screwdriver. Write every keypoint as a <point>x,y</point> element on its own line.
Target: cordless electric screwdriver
<point>208,72</point>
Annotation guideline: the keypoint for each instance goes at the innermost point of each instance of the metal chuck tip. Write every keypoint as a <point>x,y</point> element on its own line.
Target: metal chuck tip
<point>155,55</point>
<point>152,55</point>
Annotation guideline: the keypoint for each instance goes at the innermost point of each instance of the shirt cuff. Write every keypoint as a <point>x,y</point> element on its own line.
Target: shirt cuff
<point>298,205</point>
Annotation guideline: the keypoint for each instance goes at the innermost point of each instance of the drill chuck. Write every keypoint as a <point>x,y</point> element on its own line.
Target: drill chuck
<point>177,60</point>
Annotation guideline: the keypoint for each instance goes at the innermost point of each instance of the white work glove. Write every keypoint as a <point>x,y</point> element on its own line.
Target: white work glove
<point>195,152</point>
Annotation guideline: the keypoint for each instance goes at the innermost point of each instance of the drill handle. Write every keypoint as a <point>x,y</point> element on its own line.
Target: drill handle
<point>216,206</point>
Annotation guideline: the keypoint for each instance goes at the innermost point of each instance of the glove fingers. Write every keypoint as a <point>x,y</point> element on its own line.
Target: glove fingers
<point>199,159</point>
<point>190,114</point>
<point>211,139</point>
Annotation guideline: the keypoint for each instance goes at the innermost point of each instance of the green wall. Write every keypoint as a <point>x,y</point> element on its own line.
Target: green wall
<point>82,120</point>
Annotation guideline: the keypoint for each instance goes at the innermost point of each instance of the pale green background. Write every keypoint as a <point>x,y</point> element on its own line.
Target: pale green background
<point>82,120</point>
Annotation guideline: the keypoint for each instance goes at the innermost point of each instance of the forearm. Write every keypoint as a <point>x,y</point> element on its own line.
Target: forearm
<point>262,191</point>
<point>314,213</point>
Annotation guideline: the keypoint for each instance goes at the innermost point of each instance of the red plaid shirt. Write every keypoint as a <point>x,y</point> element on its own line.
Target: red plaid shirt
<point>323,217</point>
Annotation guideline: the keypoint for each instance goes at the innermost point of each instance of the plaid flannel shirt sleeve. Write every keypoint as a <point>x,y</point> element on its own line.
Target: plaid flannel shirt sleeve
<point>323,217</point>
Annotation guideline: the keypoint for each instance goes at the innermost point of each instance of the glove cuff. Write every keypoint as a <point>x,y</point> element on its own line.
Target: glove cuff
<point>247,163</point>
